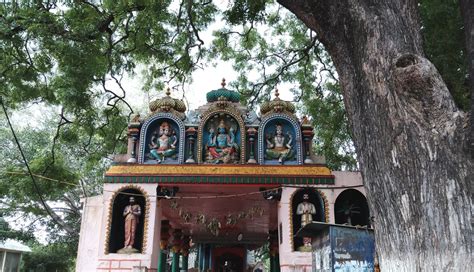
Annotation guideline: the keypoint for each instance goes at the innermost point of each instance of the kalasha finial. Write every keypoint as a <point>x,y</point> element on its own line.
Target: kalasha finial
<point>223,83</point>
<point>168,91</point>
<point>277,94</point>
<point>305,120</point>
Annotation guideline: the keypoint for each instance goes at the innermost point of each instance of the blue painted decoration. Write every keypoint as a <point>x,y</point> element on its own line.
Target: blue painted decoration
<point>291,131</point>
<point>150,127</point>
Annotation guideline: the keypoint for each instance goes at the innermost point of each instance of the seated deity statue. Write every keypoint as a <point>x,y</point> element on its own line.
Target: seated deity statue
<point>279,146</point>
<point>163,143</point>
<point>221,147</point>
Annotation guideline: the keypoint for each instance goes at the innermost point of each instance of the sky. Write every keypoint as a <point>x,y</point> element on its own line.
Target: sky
<point>204,80</point>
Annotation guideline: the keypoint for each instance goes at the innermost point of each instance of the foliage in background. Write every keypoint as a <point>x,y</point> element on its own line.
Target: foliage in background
<point>70,59</point>
<point>51,257</point>
<point>444,45</point>
<point>6,232</point>
<point>333,137</point>
<point>63,178</point>
<point>282,52</point>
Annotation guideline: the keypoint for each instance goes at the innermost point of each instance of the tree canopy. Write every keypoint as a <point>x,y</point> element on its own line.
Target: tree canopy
<point>71,57</point>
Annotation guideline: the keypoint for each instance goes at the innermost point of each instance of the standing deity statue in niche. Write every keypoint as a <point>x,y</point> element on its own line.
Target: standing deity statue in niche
<point>279,146</point>
<point>306,210</point>
<point>163,143</point>
<point>221,147</point>
<point>132,214</point>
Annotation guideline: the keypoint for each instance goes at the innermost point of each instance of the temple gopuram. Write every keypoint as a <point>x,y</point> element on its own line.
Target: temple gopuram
<point>206,190</point>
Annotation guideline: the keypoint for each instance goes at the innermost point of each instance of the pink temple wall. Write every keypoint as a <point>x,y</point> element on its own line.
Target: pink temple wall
<point>291,260</point>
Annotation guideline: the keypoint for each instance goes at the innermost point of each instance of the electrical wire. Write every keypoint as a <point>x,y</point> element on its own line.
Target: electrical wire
<point>35,185</point>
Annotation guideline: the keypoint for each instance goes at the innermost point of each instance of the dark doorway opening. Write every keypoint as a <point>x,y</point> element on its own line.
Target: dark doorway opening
<point>229,259</point>
<point>351,208</point>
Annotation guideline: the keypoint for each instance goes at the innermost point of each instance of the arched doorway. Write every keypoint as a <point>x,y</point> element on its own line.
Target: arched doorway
<point>351,208</point>
<point>117,227</point>
<point>314,197</point>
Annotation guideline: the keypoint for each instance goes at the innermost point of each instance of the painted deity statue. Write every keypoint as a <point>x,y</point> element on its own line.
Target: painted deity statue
<point>306,210</point>
<point>163,143</point>
<point>131,213</point>
<point>221,147</point>
<point>279,146</point>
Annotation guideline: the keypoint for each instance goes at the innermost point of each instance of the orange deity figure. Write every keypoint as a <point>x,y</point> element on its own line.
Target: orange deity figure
<point>163,143</point>
<point>132,214</point>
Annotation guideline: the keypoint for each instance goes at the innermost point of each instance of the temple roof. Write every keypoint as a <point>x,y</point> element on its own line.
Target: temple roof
<point>222,131</point>
<point>168,104</point>
<point>223,94</point>
<point>277,105</point>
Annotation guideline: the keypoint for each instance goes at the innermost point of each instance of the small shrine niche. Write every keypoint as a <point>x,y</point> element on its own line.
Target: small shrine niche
<point>221,140</point>
<point>162,142</point>
<point>280,142</point>
<point>279,138</point>
<point>161,134</point>
<point>351,208</point>
<point>126,237</point>
<point>307,205</point>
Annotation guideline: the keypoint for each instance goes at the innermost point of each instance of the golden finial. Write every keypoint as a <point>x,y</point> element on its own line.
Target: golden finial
<point>223,83</point>
<point>305,120</point>
<point>168,91</point>
<point>277,94</point>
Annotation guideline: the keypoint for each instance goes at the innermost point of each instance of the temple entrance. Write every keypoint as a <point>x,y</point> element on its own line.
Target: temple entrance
<point>224,229</point>
<point>245,219</point>
<point>229,259</point>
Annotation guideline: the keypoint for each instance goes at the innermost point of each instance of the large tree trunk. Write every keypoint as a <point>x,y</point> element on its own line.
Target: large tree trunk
<point>467,11</point>
<point>409,134</point>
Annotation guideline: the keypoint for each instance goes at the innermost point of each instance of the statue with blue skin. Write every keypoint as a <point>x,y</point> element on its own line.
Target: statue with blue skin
<point>221,148</point>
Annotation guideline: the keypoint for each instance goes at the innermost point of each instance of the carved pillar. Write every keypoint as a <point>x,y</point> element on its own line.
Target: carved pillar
<point>274,253</point>
<point>251,134</point>
<point>184,253</point>
<point>308,134</point>
<point>165,227</point>
<point>191,135</point>
<point>175,249</point>
<point>133,132</point>
<point>204,255</point>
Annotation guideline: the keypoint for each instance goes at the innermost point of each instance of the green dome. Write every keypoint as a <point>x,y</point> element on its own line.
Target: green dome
<point>229,95</point>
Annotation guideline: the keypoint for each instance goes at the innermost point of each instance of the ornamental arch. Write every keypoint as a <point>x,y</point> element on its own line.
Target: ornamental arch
<point>212,118</point>
<point>148,129</point>
<point>290,125</point>
<point>116,220</point>
<point>351,208</point>
<point>318,199</point>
